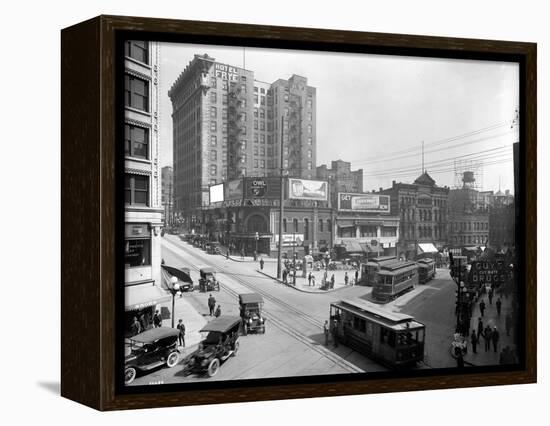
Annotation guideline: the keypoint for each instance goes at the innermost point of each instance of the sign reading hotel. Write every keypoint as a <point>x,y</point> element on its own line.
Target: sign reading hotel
<point>226,72</point>
<point>367,203</point>
<point>302,189</point>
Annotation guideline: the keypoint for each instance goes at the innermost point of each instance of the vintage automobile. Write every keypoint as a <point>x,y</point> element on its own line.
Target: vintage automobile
<point>212,247</point>
<point>250,305</point>
<point>151,349</point>
<point>208,281</point>
<point>184,277</point>
<point>220,343</point>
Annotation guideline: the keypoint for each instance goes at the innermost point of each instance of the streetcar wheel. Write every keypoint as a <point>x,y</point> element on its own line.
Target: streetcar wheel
<point>129,375</point>
<point>213,367</point>
<point>173,359</point>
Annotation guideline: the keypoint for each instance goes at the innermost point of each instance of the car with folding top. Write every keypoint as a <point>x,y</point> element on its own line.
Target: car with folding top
<point>208,280</point>
<point>220,343</point>
<point>183,274</point>
<point>149,350</point>
<point>250,306</point>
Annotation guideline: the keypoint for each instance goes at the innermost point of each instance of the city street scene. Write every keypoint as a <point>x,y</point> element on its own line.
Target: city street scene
<point>299,213</point>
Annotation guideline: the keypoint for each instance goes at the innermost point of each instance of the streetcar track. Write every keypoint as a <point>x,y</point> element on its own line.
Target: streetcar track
<point>283,326</point>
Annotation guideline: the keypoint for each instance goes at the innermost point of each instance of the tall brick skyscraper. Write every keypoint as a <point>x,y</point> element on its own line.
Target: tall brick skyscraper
<point>226,124</point>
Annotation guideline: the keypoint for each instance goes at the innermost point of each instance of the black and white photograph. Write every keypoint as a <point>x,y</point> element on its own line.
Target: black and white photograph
<point>299,213</point>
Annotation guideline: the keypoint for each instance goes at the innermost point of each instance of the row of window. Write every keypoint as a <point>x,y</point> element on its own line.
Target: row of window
<point>469,226</point>
<point>469,239</point>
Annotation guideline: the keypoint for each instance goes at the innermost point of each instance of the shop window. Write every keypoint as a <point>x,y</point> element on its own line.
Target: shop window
<point>137,252</point>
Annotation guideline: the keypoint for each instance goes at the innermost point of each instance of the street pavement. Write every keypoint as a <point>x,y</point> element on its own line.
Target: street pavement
<point>294,343</point>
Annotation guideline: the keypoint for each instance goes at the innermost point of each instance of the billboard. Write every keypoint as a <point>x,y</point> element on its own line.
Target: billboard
<point>216,193</point>
<point>262,187</point>
<point>368,203</point>
<point>290,240</point>
<point>234,189</point>
<point>302,189</point>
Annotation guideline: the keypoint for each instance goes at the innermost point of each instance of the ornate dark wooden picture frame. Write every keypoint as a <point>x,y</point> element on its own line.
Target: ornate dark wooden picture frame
<point>93,211</point>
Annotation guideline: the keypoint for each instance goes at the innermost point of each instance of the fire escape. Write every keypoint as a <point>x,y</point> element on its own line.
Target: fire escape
<point>295,137</point>
<point>235,123</point>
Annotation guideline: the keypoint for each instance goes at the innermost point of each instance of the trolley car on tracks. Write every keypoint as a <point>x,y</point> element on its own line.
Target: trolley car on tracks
<point>426,270</point>
<point>369,269</point>
<point>394,339</point>
<point>394,279</point>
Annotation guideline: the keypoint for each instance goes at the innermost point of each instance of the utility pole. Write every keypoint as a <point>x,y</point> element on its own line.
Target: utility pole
<point>281,209</point>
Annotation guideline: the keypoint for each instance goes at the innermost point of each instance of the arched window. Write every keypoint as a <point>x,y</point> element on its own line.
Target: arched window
<point>320,225</point>
<point>284,225</point>
<point>306,229</point>
<point>295,222</point>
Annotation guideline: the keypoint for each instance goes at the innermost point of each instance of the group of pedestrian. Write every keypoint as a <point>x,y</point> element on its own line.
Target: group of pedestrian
<point>213,310</point>
<point>311,280</point>
<point>489,335</point>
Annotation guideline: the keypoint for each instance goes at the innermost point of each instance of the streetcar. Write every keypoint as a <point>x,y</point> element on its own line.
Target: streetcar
<point>394,339</point>
<point>426,270</point>
<point>369,269</point>
<point>394,279</point>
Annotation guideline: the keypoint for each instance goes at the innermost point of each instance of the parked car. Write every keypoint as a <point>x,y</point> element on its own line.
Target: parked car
<point>220,343</point>
<point>208,281</point>
<point>151,349</point>
<point>213,247</point>
<point>184,276</point>
<point>250,305</point>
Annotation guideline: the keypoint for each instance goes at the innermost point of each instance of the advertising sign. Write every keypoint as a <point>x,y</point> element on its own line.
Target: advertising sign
<point>234,189</point>
<point>488,272</point>
<point>262,187</point>
<point>302,189</point>
<point>290,240</point>
<point>216,193</point>
<point>369,203</point>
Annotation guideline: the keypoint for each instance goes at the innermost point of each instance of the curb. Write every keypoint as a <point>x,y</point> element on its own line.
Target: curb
<point>300,289</point>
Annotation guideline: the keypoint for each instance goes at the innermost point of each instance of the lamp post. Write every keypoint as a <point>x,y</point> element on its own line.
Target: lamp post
<point>174,289</point>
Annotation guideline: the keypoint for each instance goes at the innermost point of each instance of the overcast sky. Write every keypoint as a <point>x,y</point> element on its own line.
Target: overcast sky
<point>376,110</point>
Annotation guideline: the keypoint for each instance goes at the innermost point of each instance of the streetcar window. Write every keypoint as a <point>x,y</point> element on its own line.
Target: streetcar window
<point>387,337</point>
<point>359,324</point>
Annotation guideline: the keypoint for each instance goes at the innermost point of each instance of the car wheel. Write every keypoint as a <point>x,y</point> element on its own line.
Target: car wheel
<point>263,329</point>
<point>213,367</point>
<point>129,375</point>
<point>236,348</point>
<point>173,359</point>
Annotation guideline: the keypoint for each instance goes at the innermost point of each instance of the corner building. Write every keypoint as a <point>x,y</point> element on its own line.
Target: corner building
<point>227,125</point>
<point>142,187</point>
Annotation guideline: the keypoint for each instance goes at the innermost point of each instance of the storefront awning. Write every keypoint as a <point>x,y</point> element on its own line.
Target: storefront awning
<point>427,248</point>
<point>353,247</point>
<point>143,295</point>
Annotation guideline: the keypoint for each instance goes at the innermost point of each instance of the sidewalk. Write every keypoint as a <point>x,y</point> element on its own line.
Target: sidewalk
<point>492,319</point>
<point>192,320</point>
<point>302,283</point>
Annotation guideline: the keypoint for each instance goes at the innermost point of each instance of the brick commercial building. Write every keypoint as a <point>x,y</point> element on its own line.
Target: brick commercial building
<point>422,210</point>
<point>248,217</point>
<point>227,125</point>
<point>502,222</point>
